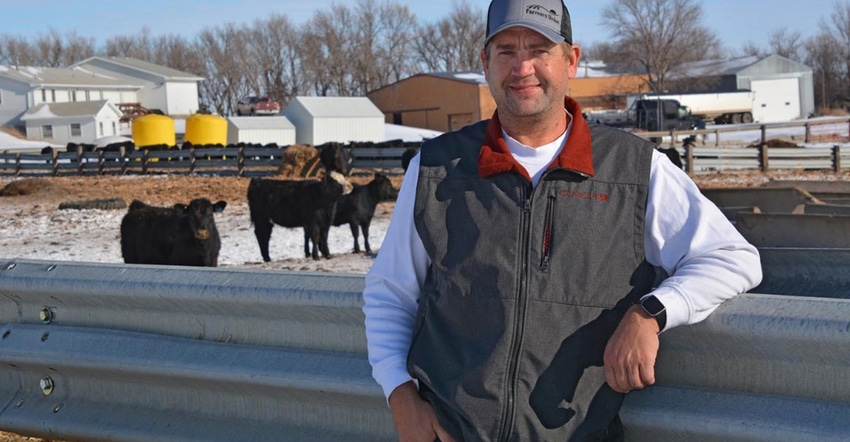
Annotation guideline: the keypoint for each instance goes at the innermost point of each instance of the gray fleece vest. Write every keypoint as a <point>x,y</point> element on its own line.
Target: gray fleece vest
<point>525,287</point>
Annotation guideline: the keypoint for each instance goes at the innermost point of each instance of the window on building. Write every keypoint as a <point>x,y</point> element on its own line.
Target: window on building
<point>47,132</point>
<point>100,129</point>
<point>397,118</point>
<point>114,128</point>
<point>53,95</point>
<point>76,130</point>
<point>43,95</point>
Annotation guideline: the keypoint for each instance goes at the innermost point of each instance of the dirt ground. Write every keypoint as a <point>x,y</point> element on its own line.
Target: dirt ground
<point>45,194</point>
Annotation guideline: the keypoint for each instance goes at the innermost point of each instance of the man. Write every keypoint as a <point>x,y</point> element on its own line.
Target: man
<point>514,295</point>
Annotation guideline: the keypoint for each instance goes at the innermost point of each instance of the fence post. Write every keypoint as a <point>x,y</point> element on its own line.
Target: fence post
<point>836,158</point>
<point>54,154</point>
<point>100,161</point>
<point>716,138</point>
<point>17,164</point>
<point>240,161</point>
<point>122,157</point>
<point>79,159</point>
<point>192,160</point>
<point>808,137</point>
<point>145,157</point>
<point>689,157</point>
<point>763,134</point>
<point>673,138</point>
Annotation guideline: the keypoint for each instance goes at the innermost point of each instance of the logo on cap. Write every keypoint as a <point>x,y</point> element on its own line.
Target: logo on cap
<point>540,11</point>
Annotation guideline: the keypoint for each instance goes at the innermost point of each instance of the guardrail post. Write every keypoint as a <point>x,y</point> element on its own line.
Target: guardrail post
<point>763,134</point>
<point>689,158</point>
<point>764,159</point>
<point>673,138</point>
<point>836,158</point>
<point>808,136</point>
<point>716,138</point>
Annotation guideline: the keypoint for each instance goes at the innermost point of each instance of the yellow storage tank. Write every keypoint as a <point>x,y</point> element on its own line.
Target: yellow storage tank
<point>206,129</point>
<point>153,129</point>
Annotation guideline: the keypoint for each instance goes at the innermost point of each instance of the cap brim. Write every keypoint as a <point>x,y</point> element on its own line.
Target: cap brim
<point>553,36</point>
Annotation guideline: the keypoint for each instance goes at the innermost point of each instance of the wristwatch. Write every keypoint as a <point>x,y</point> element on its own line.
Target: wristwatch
<point>653,307</point>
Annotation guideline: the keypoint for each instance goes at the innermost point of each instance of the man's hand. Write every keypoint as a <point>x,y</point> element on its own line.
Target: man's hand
<point>414,418</point>
<point>630,354</point>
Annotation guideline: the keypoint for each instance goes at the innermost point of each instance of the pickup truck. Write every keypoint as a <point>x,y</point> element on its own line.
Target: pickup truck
<point>258,106</point>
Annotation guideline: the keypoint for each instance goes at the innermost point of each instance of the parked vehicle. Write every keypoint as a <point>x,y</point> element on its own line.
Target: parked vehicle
<point>733,107</point>
<point>649,115</point>
<point>258,106</point>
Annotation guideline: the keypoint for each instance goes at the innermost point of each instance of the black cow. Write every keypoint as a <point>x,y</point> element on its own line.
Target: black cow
<point>358,207</point>
<point>180,235</point>
<point>673,155</point>
<point>307,204</point>
<point>335,157</point>
<point>407,156</point>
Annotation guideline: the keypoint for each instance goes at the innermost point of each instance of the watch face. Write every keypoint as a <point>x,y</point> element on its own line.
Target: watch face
<point>652,305</point>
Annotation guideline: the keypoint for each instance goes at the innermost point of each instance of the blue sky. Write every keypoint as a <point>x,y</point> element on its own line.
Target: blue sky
<point>735,21</point>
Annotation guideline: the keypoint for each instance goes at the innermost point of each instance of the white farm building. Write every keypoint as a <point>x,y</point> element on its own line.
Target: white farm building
<point>80,122</point>
<point>260,130</point>
<point>320,120</point>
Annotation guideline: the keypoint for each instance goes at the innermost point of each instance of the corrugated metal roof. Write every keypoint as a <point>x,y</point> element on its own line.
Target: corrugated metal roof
<point>340,107</point>
<point>73,109</point>
<point>46,77</point>
<point>162,71</point>
<point>262,123</point>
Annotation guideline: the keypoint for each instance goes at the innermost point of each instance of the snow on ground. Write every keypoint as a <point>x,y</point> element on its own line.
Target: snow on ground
<point>94,236</point>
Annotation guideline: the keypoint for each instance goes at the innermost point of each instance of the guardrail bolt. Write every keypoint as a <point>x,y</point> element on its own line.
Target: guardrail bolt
<point>10,266</point>
<point>46,315</point>
<point>46,385</point>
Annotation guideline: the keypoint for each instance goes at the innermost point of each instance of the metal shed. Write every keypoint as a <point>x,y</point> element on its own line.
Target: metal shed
<point>783,88</point>
<point>319,120</point>
<point>260,130</point>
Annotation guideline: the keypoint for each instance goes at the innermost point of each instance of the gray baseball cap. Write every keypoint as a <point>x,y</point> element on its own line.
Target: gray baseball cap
<point>548,17</point>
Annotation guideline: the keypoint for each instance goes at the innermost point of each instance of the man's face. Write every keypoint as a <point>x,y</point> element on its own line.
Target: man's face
<point>527,73</point>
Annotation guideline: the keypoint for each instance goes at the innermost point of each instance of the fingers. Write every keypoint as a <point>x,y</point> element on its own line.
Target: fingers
<point>630,354</point>
<point>624,378</point>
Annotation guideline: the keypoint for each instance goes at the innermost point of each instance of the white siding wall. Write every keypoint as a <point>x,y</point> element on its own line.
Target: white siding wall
<point>345,130</point>
<point>182,98</point>
<point>776,100</point>
<point>13,102</point>
<point>282,137</point>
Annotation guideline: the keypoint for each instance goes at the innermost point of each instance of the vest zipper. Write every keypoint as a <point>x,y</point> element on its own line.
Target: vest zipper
<point>519,325</point>
<point>547,235</point>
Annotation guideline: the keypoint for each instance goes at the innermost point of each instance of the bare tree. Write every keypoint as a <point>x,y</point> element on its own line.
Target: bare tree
<point>16,51</point>
<point>138,46</point>
<point>225,48</point>
<point>328,50</point>
<point>656,37</point>
<point>787,43</point>
<point>453,43</point>
<point>276,66</point>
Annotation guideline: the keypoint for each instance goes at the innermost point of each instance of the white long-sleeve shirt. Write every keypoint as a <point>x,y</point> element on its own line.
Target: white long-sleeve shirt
<point>686,235</point>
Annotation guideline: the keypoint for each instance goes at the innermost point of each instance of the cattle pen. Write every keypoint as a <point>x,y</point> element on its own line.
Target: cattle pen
<point>822,144</point>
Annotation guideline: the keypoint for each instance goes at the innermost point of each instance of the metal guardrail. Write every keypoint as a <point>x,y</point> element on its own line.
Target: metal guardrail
<point>102,352</point>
